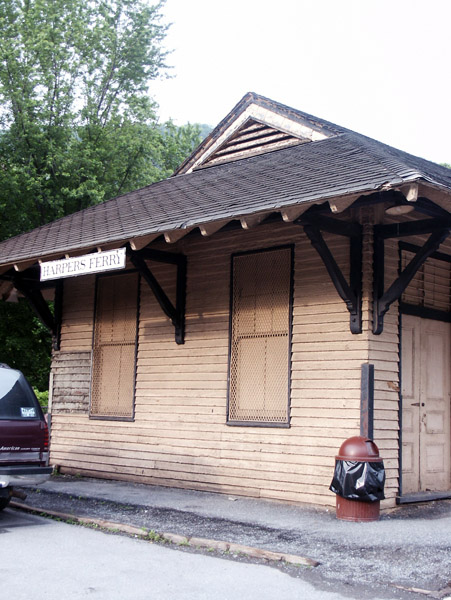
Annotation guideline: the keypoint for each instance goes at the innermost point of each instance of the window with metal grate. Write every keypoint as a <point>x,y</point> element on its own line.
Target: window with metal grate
<point>114,347</point>
<point>260,337</point>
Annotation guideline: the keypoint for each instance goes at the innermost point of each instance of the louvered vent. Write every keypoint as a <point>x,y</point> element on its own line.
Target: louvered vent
<point>252,138</point>
<point>260,344</point>
<point>113,378</point>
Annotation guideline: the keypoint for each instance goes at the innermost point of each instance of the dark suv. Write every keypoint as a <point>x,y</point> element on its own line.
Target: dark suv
<point>24,435</point>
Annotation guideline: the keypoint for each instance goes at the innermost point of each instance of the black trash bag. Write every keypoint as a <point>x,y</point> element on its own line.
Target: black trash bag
<point>356,480</point>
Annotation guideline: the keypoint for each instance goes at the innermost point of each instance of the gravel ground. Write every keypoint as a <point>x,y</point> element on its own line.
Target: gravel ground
<point>362,570</point>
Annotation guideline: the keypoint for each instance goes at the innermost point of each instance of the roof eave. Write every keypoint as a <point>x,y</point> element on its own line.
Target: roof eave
<point>289,211</point>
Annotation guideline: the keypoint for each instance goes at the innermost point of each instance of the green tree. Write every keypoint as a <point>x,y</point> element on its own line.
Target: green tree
<point>25,342</point>
<point>77,126</point>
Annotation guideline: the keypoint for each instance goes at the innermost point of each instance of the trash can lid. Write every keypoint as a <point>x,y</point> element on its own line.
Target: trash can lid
<point>359,448</point>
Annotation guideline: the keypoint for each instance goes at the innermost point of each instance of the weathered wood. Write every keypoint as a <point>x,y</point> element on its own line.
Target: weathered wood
<point>179,436</point>
<point>71,382</point>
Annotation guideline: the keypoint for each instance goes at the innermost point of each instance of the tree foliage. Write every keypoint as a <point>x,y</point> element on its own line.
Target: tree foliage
<point>25,342</point>
<point>77,126</point>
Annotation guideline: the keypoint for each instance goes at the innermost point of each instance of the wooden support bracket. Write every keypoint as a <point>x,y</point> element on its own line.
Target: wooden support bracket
<point>384,299</point>
<point>34,296</point>
<point>350,292</point>
<point>175,313</point>
<point>58,312</point>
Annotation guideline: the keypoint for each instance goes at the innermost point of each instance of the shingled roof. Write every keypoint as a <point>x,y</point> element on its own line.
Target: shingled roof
<point>335,163</point>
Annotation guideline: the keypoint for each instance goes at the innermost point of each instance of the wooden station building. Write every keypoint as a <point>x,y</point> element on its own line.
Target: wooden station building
<point>287,288</point>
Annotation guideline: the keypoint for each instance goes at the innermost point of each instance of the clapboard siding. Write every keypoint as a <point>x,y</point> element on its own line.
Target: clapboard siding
<point>179,436</point>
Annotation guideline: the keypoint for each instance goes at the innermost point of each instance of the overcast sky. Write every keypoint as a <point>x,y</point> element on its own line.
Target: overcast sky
<point>380,68</point>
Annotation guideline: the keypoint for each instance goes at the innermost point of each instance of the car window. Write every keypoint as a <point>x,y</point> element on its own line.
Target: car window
<point>17,400</point>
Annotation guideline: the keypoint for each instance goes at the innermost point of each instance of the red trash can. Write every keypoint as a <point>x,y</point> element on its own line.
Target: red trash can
<point>358,480</point>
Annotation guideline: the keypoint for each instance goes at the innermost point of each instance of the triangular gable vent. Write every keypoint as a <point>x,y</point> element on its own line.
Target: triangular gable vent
<point>251,139</point>
<point>256,125</point>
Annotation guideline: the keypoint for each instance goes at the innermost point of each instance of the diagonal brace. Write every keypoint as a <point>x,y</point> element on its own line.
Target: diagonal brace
<point>383,300</point>
<point>351,293</point>
<point>175,313</point>
<point>34,296</point>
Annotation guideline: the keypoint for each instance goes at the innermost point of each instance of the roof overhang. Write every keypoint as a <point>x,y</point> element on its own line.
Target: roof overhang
<point>247,220</point>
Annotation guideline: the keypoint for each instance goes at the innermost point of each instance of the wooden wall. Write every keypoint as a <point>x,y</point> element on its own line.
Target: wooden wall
<point>179,436</point>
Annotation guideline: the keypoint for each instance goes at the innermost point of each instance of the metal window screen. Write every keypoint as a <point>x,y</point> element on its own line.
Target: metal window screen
<point>431,285</point>
<point>260,344</point>
<point>113,374</point>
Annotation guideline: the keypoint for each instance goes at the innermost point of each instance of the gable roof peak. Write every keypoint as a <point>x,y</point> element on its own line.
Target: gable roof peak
<point>254,126</point>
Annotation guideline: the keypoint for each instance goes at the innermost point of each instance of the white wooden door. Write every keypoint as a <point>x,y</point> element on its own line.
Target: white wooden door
<point>426,390</point>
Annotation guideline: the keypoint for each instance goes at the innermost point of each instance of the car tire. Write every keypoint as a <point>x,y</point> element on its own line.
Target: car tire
<point>4,502</point>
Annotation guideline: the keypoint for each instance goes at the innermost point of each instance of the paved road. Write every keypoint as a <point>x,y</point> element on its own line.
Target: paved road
<point>42,559</point>
<point>408,547</point>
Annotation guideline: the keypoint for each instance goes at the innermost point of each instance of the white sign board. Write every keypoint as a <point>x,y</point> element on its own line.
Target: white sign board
<point>83,265</point>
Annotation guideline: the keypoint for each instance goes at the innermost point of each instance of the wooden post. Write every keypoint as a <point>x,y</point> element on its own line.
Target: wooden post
<point>367,401</point>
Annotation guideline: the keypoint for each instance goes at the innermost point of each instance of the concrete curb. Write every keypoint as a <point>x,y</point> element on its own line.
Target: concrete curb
<point>173,538</point>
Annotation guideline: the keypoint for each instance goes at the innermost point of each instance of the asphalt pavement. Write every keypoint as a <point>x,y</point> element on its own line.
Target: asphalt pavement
<point>408,548</point>
<point>43,559</point>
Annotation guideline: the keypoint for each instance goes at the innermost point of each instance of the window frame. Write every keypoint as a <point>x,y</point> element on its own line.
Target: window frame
<point>100,276</point>
<point>272,424</point>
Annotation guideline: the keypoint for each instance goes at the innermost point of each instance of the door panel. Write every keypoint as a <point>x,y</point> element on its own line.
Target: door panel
<point>410,406</point>
<point>435,415</point>
<point>426,404</point>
